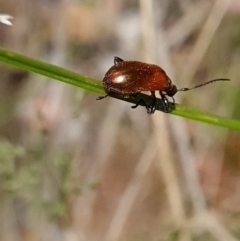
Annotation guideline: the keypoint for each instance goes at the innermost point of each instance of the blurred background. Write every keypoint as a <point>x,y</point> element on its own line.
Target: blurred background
<point>76,169</point>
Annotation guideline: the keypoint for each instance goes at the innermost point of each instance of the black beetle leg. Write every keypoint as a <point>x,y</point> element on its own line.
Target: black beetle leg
<point>165,103</point>
<point>117,60</point>
<point>152,106</point>
<point>102,97</point>
<point>141,101</point>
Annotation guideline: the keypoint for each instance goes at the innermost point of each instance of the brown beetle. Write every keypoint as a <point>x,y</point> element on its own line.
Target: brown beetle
<point>132,77</point>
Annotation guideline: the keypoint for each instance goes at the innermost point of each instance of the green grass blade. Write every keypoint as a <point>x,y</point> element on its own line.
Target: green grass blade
<point>94,85</point>
<point>51,71</point>
<point>181,110</point>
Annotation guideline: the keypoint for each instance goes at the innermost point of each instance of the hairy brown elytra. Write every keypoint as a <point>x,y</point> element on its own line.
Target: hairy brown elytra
<point>132,77</point>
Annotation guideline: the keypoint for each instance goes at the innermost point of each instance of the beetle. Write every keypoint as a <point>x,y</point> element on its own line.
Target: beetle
<point>128,78</point>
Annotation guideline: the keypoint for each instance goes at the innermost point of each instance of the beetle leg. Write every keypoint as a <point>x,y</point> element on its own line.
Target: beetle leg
<point>143,102</point>
<point>102,97</point>
<point>117,60</point>
<point>152,106</point>
<point>165,103</point>
<point>139,102</point>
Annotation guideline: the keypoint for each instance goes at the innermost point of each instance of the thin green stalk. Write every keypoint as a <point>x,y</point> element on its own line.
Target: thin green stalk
<point>94,85</point>
<point>205,117</point>
<point>50,71</point>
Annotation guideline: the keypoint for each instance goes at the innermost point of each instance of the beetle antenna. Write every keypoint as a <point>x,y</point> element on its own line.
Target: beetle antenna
<point>206,83</point>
